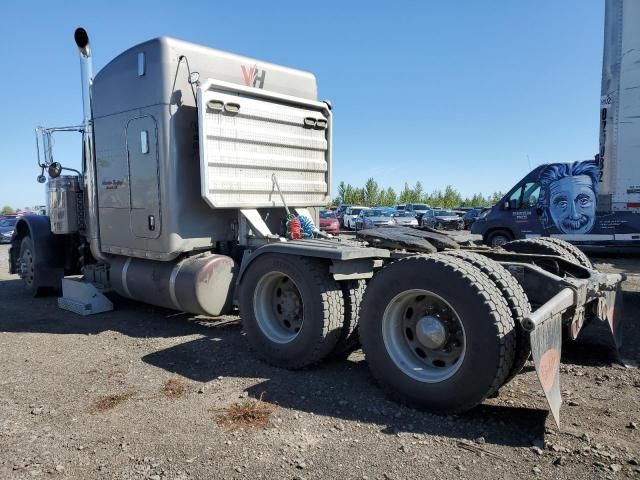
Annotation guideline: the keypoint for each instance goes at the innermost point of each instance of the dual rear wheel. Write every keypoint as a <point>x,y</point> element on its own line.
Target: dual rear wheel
<point>295,314</point>
<point>438,331</point>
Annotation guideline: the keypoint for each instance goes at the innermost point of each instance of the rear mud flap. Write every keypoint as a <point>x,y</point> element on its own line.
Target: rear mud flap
<point>546,347</point>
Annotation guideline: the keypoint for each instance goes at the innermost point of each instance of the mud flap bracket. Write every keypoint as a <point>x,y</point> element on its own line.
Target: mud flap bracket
<point>610,311</point>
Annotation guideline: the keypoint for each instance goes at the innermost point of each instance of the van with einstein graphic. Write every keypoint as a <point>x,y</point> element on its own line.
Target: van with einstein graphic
<point>560,200</point>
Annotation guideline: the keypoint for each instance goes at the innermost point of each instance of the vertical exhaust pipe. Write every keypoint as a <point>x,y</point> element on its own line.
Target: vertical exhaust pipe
<point>92,225</point>
<point>86,72</point>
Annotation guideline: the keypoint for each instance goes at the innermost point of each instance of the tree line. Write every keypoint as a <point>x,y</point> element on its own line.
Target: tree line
<point>372,194</point>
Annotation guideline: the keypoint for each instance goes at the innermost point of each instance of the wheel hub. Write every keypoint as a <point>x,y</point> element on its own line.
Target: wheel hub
<point>424,335</point>
<point>279,308</point>
<point>431,332</point>
<point>288,308</point>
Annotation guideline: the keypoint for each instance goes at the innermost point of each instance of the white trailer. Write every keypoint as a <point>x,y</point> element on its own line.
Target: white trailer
<point>620,108</point>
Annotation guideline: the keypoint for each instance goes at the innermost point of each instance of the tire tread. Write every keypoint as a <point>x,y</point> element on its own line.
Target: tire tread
<point>516,298</point>
<point>332,317</point>
<point>498,311</point>
<point>352,293</point>
<point>571,250</point>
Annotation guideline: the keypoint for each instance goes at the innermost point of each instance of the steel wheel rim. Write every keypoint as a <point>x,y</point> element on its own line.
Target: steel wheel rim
<point>278,306</point>
<point>499,240</point>
<point>420,356</point>
<point>26,267</point>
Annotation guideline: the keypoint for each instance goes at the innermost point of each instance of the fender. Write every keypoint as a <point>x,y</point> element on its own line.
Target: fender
<point>48,249</point>
<point>333,252</point>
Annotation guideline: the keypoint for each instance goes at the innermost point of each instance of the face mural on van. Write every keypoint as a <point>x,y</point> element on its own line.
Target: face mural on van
<point>568,196</point>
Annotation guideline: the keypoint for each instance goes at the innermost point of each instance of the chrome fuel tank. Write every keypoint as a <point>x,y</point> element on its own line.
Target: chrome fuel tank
<point>201,284</point>
<point>64,204</point>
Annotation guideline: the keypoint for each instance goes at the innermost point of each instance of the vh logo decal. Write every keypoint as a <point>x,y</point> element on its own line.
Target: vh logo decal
<point>253,77</point>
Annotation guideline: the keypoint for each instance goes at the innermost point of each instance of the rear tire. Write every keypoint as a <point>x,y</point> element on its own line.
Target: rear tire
<point>541,246</point>
<point>291,309</point>
<point>516,298</point>
<point>352,293</point>
<point>460,298</point>
<point>28,269</point>
<point>571,249</point>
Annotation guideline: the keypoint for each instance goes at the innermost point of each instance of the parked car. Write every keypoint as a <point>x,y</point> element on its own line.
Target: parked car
<point>7,227</point>
<point>340,213</point>
<point>417,209</point>
<point>441,220</point>
<point>404,219</point>
<point>399,207</point>
<point>472,215</point>
<point>349,216</point>
<point>373,217</point>
<point>329,222</point>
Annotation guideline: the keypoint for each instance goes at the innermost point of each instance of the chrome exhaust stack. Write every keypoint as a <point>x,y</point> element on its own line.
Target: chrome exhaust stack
<point>92,227</point>
<point>86,71</point>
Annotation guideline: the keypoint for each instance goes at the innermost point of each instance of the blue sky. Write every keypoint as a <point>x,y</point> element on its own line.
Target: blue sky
<point>467,93</point>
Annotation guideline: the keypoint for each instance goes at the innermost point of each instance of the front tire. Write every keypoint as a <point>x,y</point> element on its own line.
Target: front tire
<point>291,309</point>
<point>437,333</point>
<point>27,268</point>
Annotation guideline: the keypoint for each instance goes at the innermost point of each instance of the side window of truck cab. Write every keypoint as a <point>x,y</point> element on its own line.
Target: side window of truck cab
<point>524,197</point>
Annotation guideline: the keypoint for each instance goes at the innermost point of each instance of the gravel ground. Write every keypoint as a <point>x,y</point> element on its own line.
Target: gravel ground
<point>88,398</point>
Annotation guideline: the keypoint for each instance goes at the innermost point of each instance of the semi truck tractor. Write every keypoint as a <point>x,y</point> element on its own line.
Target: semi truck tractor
<point>594,204</point>
<point>201,179</point>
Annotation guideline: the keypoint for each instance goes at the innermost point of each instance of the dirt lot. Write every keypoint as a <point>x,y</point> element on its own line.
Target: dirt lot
<point>141,392</point>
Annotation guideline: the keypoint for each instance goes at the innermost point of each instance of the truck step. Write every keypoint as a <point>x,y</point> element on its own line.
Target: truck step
<point>82,298</point>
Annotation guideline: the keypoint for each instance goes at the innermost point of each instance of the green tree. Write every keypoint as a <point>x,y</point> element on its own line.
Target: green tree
<point>357,197</point>
<point>347,195</point>
<point>418,193</point>
<point>478,200</point>
<point>389,197</point>
<point>451,198</point>
<point>435,198</point>
<point>6,209</point>
<point>406,194</point>
<point>371,192</point>
<point>341,192</point>
<point>495,197</point>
